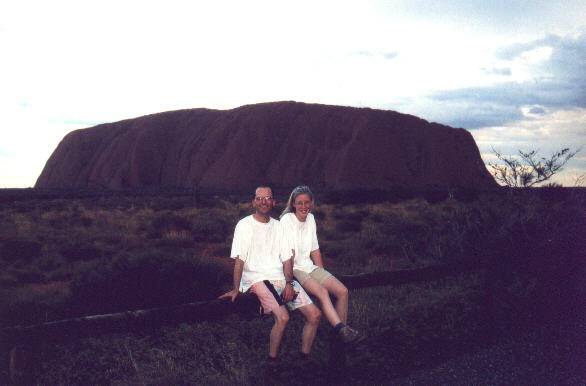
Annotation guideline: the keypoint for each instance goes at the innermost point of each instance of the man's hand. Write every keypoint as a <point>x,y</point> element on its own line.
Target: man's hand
<point>288,293</point>
<point>230,295</point>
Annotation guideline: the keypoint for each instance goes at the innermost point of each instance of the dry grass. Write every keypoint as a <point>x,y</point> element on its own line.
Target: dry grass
<point>48,245</point>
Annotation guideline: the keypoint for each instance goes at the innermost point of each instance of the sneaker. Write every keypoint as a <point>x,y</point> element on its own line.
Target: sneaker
<point>348,335</point>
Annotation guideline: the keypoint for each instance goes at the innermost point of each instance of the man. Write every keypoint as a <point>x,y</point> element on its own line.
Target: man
<point>263,266</point>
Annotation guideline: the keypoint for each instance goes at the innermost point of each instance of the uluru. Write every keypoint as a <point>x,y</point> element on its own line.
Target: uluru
<point>279,143</point>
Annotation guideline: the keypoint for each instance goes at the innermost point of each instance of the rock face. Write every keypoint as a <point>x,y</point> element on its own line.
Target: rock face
<point>280,143</point>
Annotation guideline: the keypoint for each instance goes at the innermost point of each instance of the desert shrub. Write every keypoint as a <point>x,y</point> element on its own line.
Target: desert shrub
<point>7,279</point>
<point>162,203</point>
<point>26,274</point>
<point>435,196</point>
<point>542,238</point>
<point>403,322</point>
<point>211,226</point>
<point>398,235</point>
<point>377,217</point>
<point>329,234</point>
<point>49,262</point>
<point>33,304</point>
<point>347,225</point>
<point>168,222</point>
<point>80,251</point>
<point>7,228</point>
<point>206,353</point>
<point>19,250</point>
<point>358,215</point>
<point>319,214</point>
<point>147,279</point>
<point>173,240</point>
<point>346,253</point>
<point>349,221</point>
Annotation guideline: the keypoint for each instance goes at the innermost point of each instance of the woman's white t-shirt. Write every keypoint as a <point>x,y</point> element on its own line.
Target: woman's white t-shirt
<point>262,248</point>
<point>303,236</point>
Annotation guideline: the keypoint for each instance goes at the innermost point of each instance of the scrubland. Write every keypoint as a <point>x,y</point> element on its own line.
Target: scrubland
<point>91,255</point>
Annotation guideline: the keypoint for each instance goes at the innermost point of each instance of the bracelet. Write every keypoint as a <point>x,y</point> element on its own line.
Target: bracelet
<point>290,282</point>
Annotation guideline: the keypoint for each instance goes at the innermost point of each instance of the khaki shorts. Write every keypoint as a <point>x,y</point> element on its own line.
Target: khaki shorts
<point>319,274</point>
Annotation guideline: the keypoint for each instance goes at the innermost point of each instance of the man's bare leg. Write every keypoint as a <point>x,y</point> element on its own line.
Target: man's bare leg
<point>312,315</point>
<point>281,318</point>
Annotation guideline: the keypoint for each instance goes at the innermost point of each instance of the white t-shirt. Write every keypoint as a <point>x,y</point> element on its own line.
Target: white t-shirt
<point>303,235</point>
<point>262,248</point>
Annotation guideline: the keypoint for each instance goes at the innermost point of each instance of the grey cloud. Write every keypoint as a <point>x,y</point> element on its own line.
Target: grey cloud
<point>509,17</point>
<point>80,122</point>
<point>537,111</point>
<point>505,71</point>
<point>390,55</point>
<point>473,114</point>
<point>554,93</point>
<point>371,54</point>
<point>560,84</point>
<point>363,53</point>
<point>515,50</point>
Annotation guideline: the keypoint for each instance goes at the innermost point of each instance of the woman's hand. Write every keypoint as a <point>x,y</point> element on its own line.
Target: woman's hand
<point>232,295</point>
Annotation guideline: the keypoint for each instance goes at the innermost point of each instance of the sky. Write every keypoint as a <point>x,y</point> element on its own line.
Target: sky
<point>513,73</point>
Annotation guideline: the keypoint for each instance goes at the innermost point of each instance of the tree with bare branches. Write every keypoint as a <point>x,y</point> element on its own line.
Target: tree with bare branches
<point>527,169</point>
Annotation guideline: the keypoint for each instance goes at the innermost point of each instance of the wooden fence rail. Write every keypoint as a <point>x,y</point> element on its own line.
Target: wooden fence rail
<point>22,339</point>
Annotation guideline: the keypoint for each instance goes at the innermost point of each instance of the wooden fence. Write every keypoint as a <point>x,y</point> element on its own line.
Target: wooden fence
<point>21,340</point>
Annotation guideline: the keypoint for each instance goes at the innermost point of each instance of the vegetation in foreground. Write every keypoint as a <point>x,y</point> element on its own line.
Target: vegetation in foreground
<point>71,257</point>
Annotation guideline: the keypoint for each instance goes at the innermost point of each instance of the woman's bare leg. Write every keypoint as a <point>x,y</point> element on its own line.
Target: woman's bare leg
<point>339,290</point>
<point>314,288</point>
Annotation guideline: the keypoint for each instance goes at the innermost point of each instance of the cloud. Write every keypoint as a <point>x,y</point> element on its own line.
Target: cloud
<point>555,81</point>
<point>505,71</point>
<point>537,110</point>
<point>376,54</point>
<point>507,17</point>
<point>545,133</point>
<point>390,55</point>
<point>516,50</point>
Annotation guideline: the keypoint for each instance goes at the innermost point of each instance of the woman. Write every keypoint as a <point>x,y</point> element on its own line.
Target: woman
<point>300,229</point>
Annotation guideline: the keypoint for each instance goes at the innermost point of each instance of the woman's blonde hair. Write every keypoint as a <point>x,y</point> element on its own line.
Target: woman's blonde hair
<point>301,189</point>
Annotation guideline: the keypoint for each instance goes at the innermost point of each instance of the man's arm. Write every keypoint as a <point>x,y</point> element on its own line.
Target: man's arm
<point>288,269</point>
<point>316,257</point>
<point>238,266</point>
<point>288,292</point>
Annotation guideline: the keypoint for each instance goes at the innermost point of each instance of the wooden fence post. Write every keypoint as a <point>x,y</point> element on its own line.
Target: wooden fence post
<point>19,365</point>
<point>337,358</point>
